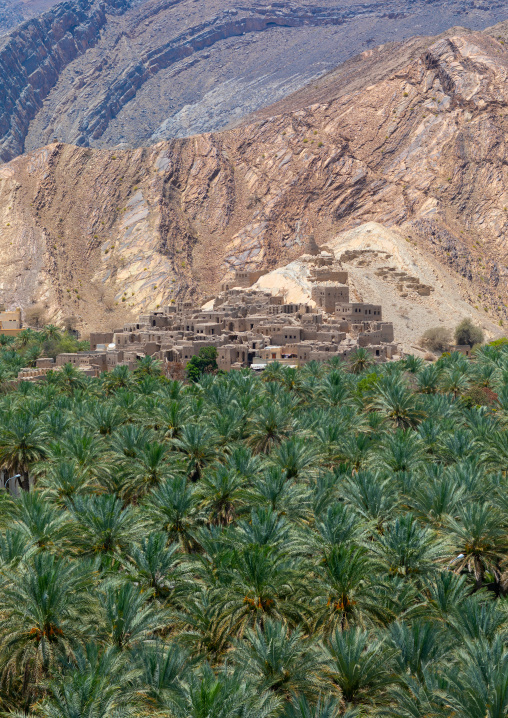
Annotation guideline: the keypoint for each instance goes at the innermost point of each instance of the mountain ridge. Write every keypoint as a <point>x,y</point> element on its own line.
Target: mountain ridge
<point>120,73</point>
<point>107,234</point>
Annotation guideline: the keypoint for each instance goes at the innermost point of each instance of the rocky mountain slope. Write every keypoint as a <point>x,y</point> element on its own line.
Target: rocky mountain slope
<point>14,12</point>
<point>421,150</point>
<point>106,72</point>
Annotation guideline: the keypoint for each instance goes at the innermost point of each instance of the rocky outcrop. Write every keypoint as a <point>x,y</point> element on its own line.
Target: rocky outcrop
<point>228,24</point>
<point>101,234</point>
<point>32,58</point>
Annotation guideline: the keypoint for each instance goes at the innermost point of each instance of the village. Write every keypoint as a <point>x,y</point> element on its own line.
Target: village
<point>249,327</point>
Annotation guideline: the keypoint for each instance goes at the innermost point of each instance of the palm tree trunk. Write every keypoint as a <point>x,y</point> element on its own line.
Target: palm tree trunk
<point>24,481</point>
<point>478,572</point>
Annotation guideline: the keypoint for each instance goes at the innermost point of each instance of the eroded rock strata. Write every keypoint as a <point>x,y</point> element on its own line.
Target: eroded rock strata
<point>104,73</point>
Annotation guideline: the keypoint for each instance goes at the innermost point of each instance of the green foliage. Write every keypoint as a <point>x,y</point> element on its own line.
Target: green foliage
<point>468,333</point>
<point>29,345</point>
<point>204,362</point>
<point>324,542</point>
<point>502,342</point>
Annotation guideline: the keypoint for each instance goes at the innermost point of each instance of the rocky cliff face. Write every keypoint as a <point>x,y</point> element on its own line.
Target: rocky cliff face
<point>14,12</point>
<point>105,234</point>
<point>32,58</point>
<point>104,73</point>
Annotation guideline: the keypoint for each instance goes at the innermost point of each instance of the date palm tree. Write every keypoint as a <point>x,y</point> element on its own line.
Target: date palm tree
<point>148,366</point>
<point>47,612</point>
<point>373,496</point>
<point>281,661</point>
<point>130,618</point>
<point>396,403</point>
<point>479,689</point>
<point>62,481</point>
<point>360,666</point>
<point>160,686</point>
<point>329,707</point>
<point>220,494</point>
<point>173,508</point>
<point>22,444</point>
<point>455,381</point>
<point>427,380</point>
<point>118,378</point>
<point>360,360</point>
<point>223,694</point>
<point>71,379</point>
<point>201,629</point>
<point>156,566</point>
<point>198,444</point>
<point>344,590</point>
<point>104,419</point>
<point>152,465</point>
<point>96,687</point>
<point>478,541</point>
<point>408,549</point>
<point>294,456</point>
<point>51,332</point>
<point>101,525</point>
<point>269,427</point>
<point>261,583</point>
<point>43,524</point>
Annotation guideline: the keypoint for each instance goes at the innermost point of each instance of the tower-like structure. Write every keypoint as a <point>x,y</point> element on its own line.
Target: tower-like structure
<point>311,247</point>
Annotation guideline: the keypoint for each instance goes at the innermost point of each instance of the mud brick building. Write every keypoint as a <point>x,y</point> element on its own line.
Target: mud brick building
<point>250,327</point>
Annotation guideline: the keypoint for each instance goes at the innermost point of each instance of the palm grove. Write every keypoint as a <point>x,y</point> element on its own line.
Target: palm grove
<point>317,542</point>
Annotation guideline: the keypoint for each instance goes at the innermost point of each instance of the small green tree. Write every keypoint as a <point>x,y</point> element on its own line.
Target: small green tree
<point>468,333</point>
<point>204,363</point>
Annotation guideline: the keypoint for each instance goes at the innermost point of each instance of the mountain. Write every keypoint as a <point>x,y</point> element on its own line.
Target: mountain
<point>104,73</point>
<point>416,144</point>
<point>14,12</point>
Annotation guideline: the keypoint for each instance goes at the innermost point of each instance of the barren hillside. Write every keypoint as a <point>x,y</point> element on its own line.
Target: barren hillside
<point>102,234</point>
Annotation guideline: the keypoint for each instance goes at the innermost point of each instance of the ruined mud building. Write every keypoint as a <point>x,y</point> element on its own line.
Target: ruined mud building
<point>251,327</point>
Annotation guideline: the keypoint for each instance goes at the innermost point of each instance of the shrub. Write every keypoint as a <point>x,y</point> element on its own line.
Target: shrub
<point>468,333</point>
<point>204,363</point>
<point>499,342</point>
<point>35,316</point>
<point>480,396</point>
<point>437,339</point>
<point>69,323</point>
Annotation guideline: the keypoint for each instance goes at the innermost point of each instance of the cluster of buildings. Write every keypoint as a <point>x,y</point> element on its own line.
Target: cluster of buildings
<point>249,327</point>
